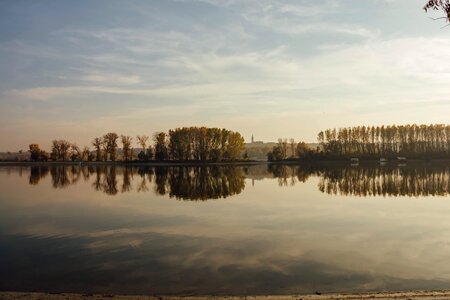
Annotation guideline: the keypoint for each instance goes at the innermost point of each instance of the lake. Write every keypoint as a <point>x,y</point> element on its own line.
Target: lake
<point>225,230</point>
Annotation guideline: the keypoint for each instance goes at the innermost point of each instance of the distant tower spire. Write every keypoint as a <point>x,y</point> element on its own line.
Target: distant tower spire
<point>252,139</point>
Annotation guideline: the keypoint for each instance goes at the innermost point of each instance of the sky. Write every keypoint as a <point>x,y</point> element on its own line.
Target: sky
<point>77,69</point>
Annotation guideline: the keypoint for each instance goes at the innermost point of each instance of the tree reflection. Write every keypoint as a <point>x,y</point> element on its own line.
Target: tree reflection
<point>187,183</point>
<point>37,173</point>
<point>60,177</point>
<point>421,180</point>
<point>289,175</point>
<point>409,181</point>
<point>214,182</point>
<point>110,181</point>
<point>127,175</point>
<point>199,182</point>
<point>145,174</point>
<point>203,183</point>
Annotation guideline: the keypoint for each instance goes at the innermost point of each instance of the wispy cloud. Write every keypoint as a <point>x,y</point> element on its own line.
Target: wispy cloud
<point>237,63</point>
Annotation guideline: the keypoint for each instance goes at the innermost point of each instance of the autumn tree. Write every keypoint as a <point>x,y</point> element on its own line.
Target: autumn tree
<point>150,153</point>
<point>126,147</point>
<point>142,141</point>
<point>98,143</point>
<point>205,144</point>
<point>35,151</point>
<point>161,149</point>
<point>36,154</point>
<point>276,154</point>
<point>65,148</point>
<point>235,145</point>
<point>60,150</point>
<point>406,140</point>
<point>56,150</point>
<point>283,147</point>
<point>302,149</point>
<point>85,154</point>
<point>292,144</point>
<point>110,142</point>
<point>75,152</point>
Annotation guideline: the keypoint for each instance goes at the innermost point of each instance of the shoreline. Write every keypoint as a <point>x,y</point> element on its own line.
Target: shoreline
<point>438,294</point>
<point>129,164</point>
<point>362,162</point>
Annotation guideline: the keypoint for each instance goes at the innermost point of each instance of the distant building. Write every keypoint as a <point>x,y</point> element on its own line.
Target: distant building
<point>256,142</point>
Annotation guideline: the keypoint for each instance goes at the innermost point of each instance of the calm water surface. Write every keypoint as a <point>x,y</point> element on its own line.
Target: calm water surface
<point>224,230</point>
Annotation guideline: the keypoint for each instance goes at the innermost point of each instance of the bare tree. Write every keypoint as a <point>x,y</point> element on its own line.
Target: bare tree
<point>142,141</point>
<point>60,149</point>
<point>75,152</point>
<point>292,144</point>
<point>126,148</point>
<point>85,153</point>
<point>443,5</point>
<point>110,140</point>
<point>98,143</point>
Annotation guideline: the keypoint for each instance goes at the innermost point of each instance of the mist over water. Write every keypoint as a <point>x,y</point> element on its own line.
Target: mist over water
<point>224,229</point>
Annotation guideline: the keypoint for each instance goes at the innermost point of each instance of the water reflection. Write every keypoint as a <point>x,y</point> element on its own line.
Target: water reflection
<point>36,173</point>
<point>60,231</point>
<point>413,180</point>
<point>203,183</point>
<point>386,181</point>
<point>187,183</point>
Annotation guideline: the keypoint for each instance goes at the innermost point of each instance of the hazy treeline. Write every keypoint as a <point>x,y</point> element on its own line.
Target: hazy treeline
<point>180,144</point>
<point>290,149</point>
<point>412,141</point>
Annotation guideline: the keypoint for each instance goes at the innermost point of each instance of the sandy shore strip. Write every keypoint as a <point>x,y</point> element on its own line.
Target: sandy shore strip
<point>381,295</point>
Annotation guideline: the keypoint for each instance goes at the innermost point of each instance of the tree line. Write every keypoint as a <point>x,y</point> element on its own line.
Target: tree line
<point>289,149</point>
<point>405,140</point>
<point>180,144</point>
<point>413,141</point>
